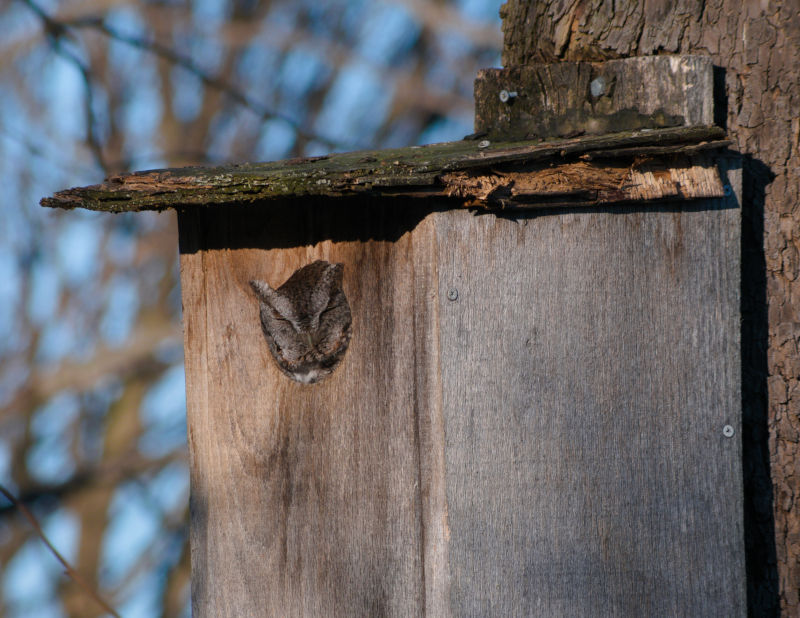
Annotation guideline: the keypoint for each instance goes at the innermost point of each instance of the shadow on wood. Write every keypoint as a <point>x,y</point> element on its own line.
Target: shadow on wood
<point>528,408</point>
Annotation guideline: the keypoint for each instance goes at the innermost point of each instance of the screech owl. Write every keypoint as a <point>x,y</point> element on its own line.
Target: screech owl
<point>306,321</point>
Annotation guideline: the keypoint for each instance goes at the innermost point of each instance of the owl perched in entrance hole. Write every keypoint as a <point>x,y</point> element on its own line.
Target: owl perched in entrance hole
<point>306,321</point>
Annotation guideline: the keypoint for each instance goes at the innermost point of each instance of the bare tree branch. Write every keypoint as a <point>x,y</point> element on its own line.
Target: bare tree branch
<point>72,573</point>
<point>167,53</point>
<point>136,356</point>
<point>56,29</point>
<point>55,32</point>
<point>110,474</point>
<point>71,167</point>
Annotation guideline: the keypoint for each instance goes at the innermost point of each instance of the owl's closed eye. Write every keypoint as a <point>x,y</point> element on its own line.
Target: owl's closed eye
<point>306,321</point>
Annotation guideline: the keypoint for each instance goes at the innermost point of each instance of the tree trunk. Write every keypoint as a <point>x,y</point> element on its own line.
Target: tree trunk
<point>756,50</point>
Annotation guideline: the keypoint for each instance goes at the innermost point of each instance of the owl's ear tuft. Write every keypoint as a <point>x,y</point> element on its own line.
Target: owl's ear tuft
<point>262,290</point>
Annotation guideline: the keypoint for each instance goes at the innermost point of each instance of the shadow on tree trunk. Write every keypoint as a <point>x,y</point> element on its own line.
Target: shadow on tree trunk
<point>759,519</point>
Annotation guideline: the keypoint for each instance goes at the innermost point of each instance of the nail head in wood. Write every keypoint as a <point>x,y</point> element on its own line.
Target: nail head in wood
<point>598,86</point>
<point>506,96</point>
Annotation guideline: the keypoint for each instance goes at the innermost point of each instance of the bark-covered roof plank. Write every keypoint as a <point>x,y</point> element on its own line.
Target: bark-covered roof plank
<point>592,168</point>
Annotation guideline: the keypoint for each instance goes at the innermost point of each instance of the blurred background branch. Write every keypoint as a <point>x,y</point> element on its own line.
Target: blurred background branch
<point>69,571</point>
<point>92,412</point>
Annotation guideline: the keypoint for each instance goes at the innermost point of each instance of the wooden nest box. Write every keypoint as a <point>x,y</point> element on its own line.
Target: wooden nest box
<point>517,395</point>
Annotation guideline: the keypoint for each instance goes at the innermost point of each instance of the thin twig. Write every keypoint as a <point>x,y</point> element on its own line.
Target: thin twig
<point>34,150</point>
<point>71,572</point>
<point>170,55</point>
<point>56,28</point>
<point>106,475</point>
<point>91,122</point>
<point>56,31</point>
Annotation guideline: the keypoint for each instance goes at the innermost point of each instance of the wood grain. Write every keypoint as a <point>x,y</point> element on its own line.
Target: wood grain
<point>557,99</point>
<point>588,183</point>
<point>549,443</point>
<point>413,172</point>
<point>307,500</point>
<point>589,366</point>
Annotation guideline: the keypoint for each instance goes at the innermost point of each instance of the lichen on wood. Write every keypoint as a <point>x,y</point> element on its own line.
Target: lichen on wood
<point>569,98</point>
<point>416,171</point>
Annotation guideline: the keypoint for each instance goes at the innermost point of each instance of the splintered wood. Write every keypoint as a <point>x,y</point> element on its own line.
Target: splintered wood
<point>588,182</point>
<point>563,168</point>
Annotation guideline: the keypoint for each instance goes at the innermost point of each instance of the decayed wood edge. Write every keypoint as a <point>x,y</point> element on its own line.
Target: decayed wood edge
<point>415,171</point>
<point>558,99</point>
<point>589,183</point>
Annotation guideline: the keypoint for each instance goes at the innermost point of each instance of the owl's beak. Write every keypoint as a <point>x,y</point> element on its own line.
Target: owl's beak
<point>310,340</point>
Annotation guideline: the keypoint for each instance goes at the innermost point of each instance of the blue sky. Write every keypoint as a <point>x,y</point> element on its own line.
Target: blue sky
<point>46,255</point>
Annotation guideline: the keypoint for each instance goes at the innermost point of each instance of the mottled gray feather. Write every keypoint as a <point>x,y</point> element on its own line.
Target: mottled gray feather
<point>306,321</point>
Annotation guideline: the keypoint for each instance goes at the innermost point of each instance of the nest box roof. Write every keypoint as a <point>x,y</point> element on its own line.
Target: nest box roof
<point>638,165</point>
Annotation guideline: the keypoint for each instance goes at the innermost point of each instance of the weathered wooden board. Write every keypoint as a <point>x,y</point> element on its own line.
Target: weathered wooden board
<point>588,183</point>
<point>308,500</point>
<point>576,98</point>
<point>549,443</point>
<point>589,367</point>
<point>418,172</point>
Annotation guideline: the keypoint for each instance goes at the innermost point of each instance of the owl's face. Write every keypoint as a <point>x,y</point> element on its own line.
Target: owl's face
<point>306,321</point>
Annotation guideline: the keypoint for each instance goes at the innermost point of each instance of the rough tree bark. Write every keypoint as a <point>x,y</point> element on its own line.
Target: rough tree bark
<point>756,47</point>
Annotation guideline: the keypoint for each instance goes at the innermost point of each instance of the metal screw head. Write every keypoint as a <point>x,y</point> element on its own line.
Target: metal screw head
<point>598,86</point>
<point>452,294</point>
<point>728,431</point>
<point>506,96</point>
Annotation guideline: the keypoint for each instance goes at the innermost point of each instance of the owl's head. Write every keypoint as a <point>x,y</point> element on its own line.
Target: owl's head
<point>306,321</point>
